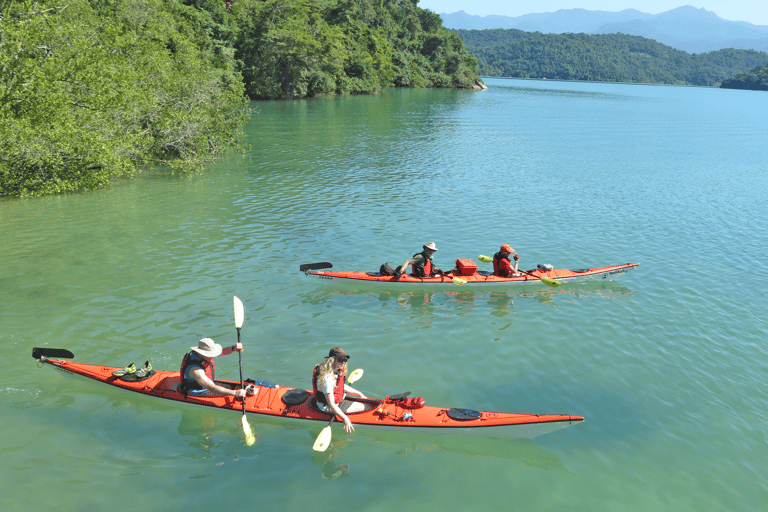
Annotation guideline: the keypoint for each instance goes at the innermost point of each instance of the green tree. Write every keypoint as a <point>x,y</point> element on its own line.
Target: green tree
<point>87,98</point>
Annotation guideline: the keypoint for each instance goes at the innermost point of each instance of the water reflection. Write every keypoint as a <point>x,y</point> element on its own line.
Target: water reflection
<point>202,426</point>
<point>500,303</point>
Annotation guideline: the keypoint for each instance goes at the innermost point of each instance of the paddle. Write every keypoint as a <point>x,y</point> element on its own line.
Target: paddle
<point>250,438</point>
<point>314,266</point>
<point>324,438</point>
<point>456,280</point>
<point>62,353</point>
<point>554,283</point>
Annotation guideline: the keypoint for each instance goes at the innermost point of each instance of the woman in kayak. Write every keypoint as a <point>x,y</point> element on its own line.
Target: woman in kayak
<point>502,266</point>
<point>421,263</point>
<point>198,370</point>
<point>329,387</point>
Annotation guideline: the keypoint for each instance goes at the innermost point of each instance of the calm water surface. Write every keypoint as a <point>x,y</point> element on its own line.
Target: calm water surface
<point>667,363</point>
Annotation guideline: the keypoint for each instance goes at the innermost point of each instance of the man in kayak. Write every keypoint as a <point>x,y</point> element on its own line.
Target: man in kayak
<point>502,266</point>
<point>421,263</point>
<point>198,370</point>
<point>329,387</point>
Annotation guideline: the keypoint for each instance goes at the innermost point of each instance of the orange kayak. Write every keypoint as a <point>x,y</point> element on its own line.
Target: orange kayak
<point>473,278</point>
<point>291,405</point>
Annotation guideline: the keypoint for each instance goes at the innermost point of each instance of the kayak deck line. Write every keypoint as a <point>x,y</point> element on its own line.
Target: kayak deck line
<point>476,278</point>
<point>296,405</point>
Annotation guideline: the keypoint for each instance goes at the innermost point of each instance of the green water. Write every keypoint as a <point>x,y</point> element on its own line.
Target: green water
<point>666,363</point>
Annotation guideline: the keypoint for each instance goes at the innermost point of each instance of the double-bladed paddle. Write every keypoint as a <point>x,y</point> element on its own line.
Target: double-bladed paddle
<point>250,438</point>
<point>554,283</point>
<point>324,438</point>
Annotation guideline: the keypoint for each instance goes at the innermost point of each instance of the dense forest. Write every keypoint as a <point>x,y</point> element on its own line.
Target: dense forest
<point>755,80</point>
<point>95,90</point>
<point>601,57</point>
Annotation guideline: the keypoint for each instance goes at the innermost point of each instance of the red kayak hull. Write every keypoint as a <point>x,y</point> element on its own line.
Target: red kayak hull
<point>479,279</point>
<point>383,414</point>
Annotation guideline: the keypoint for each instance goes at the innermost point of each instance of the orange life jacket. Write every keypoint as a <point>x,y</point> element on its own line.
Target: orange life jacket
<point>338,391</point>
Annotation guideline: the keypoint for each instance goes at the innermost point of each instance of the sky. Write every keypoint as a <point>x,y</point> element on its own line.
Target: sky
<point>752,11</point>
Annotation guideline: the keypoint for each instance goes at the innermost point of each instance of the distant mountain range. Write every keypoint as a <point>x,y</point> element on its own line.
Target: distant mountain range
<point>685,28</point>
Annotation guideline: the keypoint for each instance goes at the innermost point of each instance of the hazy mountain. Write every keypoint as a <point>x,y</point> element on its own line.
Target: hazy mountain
<point>685,28</point>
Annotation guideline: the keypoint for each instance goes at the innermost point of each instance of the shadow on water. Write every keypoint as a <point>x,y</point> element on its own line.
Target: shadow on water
<point>499,303</point>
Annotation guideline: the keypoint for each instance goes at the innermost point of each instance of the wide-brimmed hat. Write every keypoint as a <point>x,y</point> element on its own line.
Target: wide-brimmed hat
<point>507,248</point>
<point>431,246</point>
<point>208,348</point>
<point>338,353</point>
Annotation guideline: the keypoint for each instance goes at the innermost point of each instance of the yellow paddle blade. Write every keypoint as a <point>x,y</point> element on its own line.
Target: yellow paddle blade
<point>554,283</point>
<point>323,440</point>
<point>458,282</point>
<point>250,437</point>
<point>355,376</point>
<point>485,259</point>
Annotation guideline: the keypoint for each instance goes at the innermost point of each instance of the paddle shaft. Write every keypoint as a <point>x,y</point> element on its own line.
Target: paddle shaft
<point>240,361</point>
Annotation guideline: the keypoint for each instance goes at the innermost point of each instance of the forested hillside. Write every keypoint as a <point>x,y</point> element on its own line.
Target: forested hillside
<point>754,80</point>
<point>601,57</point>
<point>95,90</point>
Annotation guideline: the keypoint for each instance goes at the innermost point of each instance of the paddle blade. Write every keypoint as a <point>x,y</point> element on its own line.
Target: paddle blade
<point>60,353</point>
<point>554,283</point>
<point>314,266</point>
<point>239,313</point>
<point>458,281</point>
<point>250,437</point>
<point>323,440</point>
<point>485,259</point>
<point>355,376</point>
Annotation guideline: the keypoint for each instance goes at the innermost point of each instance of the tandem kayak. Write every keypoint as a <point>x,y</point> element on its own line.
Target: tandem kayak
<point>469,276</point>
<point>292,405</point>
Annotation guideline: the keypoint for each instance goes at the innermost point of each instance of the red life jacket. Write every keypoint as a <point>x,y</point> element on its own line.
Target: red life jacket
<point>190,360</point>
<point>501,266</point>
<point>422,270</point>
<point>338,391</point>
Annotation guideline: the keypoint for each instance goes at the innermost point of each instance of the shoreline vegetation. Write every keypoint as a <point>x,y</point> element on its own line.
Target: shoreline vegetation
<point>602,58</point>
<point>92,91</point>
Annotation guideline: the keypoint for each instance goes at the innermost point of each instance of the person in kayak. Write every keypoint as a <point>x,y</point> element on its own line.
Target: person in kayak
<point>421,263</point>
<point>502,266</point>
<point>329,387</point>
<point>198,370</point>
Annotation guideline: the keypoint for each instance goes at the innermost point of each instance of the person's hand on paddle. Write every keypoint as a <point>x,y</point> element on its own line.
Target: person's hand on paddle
<point>397,275</point>
<point>239,394</point>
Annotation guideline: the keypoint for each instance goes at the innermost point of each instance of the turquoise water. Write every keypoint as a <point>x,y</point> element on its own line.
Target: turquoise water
<point>666,363</point>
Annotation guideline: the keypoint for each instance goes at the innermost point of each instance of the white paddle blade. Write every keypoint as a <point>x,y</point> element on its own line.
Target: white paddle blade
<point>355,376</point>
<point>250,437</point>
<point>323,440</point>
<point>239,313</point>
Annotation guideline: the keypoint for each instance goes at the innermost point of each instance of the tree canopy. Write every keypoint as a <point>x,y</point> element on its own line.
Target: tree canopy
<point>95,90</point>
<point>601,57</point>
<point>755,80</point>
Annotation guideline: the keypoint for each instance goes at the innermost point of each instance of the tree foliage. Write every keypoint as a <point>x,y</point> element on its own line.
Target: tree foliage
<point>93,90</point>
<point>601,57</point>
<point>88,95</point>
<point>755,80</point>
<point>295,48</point>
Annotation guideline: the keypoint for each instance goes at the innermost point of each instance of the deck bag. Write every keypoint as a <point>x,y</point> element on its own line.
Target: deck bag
<point>466,266</point>
<point>386,270</point>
